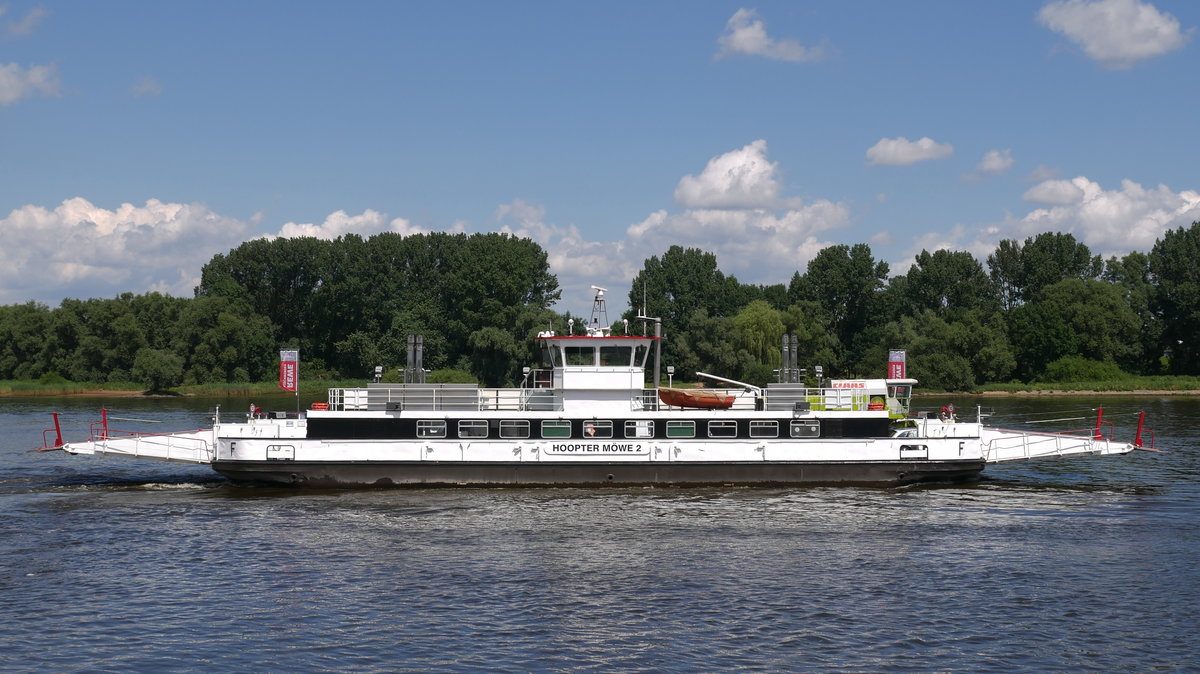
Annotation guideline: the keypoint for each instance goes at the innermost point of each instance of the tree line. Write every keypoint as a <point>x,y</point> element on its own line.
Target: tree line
<point>1042,308</point>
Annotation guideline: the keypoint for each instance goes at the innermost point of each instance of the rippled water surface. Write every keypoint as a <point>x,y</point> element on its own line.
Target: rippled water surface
<point>111,564</point>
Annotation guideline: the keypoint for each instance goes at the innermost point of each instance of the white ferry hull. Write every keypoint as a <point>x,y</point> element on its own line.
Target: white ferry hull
<point>341,474</point>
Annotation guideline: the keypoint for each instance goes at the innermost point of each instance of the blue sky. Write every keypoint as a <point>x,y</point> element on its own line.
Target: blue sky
<point>138,139</point>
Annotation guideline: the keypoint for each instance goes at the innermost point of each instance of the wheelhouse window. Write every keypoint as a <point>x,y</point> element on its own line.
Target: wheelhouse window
<point>724,428</point>
<point>514,428</point>
<point>806,429</point>
<point>640,353</point>
<point>431,428</point>
<point>556,428</point>
<point>639,429</point>
<point>615,355</point>
<point>593,428</point>
<point>764,429</point>
<point>473,428</point>
<point>681,429</point>
<point>580,355</point>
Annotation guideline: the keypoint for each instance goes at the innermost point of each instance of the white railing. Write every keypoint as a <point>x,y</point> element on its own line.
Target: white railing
<point>1008,445</point>
<point>436,397</point>
<point>189,447</point>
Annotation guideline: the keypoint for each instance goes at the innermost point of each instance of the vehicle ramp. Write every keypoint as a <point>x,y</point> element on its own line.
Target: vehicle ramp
<point>198,446</point>
<point>186,446</point>
<point>1002,445</point>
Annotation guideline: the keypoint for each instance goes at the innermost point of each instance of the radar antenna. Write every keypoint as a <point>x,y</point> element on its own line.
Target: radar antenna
<point>598,326</point>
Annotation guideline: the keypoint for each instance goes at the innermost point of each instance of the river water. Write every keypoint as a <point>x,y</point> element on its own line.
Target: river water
<point>110,564</point>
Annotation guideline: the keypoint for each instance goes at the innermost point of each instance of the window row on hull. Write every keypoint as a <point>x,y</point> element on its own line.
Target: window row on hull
<point>594,429</point>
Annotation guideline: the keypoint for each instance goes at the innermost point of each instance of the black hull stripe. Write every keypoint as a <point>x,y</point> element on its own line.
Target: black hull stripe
<point>592,474</point>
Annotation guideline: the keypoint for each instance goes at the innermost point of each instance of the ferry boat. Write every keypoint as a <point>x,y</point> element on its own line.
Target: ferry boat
<point>588,418</point>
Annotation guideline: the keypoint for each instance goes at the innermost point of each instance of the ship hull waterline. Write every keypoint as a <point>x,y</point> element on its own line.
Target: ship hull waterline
<point>359,474</point>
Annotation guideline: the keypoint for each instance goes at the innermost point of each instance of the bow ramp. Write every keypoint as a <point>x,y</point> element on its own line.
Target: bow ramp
<point>184,446</point>
<point>198,446</point>
<point>1001,445</point>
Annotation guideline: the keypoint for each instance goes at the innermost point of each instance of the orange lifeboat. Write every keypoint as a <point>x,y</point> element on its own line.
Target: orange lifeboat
<point>700,398</point>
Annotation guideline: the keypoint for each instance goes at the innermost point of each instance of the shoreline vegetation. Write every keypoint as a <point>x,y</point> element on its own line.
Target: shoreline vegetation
<point>1136,386</point>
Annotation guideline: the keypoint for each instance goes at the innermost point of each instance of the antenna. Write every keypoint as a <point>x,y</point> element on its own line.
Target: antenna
<point>598,326</point>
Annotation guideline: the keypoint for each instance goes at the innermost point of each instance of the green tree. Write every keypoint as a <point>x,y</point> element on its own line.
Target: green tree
<point>704,345</point>
<point>24,329</point>
<point>953,355</point>
<point>495,356</point>
<point>846,281</point>
<point>1131,275</point>
<point>1021,271</point>
<point>816,345</point>
<point>1175,272</point>
<point>679,283</point>
<point>1106,328</point>
<point>1039,335</point>
<point>945,282</point>
<point>352,298</point>
<point>158,369</point>
<point>757,331</point>
<point>675,288</point>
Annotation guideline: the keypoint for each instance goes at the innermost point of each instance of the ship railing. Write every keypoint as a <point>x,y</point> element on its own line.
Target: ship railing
<point>785,397</point>
<point>1013,445</point>
<point>178,446</point>
<point>646,400</point>
<point>443,397</point>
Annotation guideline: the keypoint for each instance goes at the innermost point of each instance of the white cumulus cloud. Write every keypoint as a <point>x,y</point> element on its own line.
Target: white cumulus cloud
<point>756,245</point>
<point>81,250</point>
<point>17,83</point>
<point>1117,33</point>
<point>577,262</point>
<point>1055,192</point>
<point>1111,222</point>
<point>732,209</point>
<point>741,178</point>
<point>903,152</point>
<point>746,34</point>
<point>995,162</point>
<point>339,222</point>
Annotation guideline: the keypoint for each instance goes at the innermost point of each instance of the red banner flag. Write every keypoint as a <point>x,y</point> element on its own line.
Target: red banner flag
<point>289,369</point>
<point>896,362</point>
